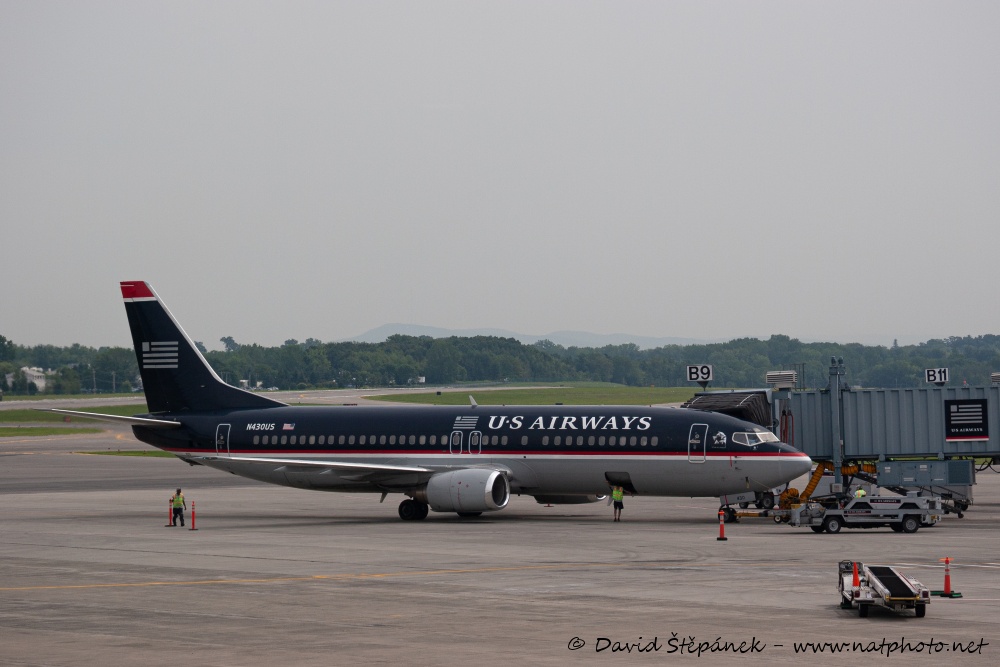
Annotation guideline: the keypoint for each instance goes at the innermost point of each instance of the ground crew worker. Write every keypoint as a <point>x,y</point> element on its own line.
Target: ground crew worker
<point>860,493</point>
<point>618,497</point>
<point>179,505</point>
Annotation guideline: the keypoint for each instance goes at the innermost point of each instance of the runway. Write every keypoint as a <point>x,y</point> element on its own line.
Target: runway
<point>90,576</point>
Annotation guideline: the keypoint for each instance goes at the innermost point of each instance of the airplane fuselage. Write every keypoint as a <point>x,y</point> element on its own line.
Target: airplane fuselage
<point>549,450</point>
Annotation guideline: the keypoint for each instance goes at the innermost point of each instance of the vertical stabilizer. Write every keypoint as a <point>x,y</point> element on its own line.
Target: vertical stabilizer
<point>175,375</point>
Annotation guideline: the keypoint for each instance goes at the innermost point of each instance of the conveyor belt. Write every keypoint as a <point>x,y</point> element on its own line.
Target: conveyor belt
<point>892,581</point>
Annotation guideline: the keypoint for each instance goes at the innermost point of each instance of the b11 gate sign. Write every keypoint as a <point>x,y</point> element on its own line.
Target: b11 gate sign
<point>966,420</point>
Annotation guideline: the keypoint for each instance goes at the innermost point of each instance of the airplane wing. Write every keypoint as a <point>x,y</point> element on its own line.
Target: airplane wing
<point>315,465</point>
<point>118,419</point>
<point>382,473</point>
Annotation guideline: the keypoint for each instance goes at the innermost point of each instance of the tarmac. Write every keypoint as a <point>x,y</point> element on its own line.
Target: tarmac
<point>90,575</point>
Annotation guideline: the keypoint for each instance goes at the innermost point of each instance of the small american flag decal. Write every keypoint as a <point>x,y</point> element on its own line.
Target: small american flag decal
<point>159,354</point>
<point>465,423</point>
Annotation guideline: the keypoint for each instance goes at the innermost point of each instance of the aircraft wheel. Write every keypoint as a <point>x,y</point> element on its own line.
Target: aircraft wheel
<point>831,524</point>
<point>767,502</point>
<point>743,506</point>
<point>409,510</point>
<point>911,524</point>
<point>921,610</point>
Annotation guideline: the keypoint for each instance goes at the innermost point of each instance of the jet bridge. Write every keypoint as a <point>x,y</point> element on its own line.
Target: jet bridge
<point>921,439</point>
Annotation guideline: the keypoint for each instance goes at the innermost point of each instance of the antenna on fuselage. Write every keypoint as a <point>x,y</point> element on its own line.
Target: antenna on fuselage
<point>473,401</point>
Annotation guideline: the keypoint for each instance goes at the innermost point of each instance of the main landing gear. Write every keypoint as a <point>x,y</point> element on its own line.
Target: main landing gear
<point>412,510</point>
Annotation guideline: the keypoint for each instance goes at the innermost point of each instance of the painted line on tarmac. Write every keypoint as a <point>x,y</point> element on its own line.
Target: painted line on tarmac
<point>364,575</point>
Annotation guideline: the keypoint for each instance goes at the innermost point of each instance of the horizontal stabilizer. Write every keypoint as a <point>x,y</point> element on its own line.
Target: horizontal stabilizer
<point>119,419</point>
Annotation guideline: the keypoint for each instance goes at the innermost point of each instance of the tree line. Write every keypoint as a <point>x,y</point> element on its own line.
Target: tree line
<point>404,360</point>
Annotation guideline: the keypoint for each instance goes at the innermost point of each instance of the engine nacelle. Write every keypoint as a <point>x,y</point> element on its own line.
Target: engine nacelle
<point>569,500</point>
<point>469,490</point>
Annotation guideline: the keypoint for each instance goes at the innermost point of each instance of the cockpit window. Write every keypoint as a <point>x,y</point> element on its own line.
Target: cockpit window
<point>754,438</point>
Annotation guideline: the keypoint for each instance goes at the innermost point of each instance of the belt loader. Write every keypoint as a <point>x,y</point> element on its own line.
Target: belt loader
<point>864,586</point>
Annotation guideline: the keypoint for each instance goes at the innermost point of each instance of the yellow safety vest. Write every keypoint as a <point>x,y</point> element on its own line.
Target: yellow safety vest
<point>178,500</point>
<point>617,494</point>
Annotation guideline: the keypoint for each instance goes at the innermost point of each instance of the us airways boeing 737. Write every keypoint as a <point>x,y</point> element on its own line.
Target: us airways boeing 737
<point>467,460</point>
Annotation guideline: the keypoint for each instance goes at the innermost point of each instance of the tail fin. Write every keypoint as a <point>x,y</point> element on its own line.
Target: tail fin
<point>175,375</point>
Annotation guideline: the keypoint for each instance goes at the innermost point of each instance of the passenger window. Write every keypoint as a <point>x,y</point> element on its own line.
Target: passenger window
<point>524,440</point>
<point>256,439</point>
<point>642,441</point>
<point>423,439</point>
<point>557,440</point>
<point>655,441</point>
<point>350,440</point>
<point>312,439</point>
<point>545,440</point>
<point>362,439</point>
<point>322,439</point>
<point>284,439</point>
<point>381,440</point>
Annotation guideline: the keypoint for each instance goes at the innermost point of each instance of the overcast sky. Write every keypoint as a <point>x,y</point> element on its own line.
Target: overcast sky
<point>827,171</point>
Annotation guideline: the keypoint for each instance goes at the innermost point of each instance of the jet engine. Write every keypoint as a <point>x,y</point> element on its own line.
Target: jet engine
<point>471,490</point>
<point>569,500</point>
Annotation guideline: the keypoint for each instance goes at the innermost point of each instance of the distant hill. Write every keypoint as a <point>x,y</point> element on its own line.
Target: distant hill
<point>564,338</point>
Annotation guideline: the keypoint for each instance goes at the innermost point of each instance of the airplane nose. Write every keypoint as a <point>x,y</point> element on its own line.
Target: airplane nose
<point>801,465</point>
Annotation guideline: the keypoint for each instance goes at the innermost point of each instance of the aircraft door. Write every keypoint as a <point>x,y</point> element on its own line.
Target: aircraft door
<point>621,479</point>
<point>222,440</point>
<point>455,444</point>
<point>697,442</point>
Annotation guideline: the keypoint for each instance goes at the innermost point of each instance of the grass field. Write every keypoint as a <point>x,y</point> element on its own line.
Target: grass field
<point>40,431</point>
<point>47,397</point>
<point>567,395</point>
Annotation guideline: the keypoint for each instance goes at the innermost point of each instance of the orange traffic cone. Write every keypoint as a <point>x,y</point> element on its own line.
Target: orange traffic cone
<point>947,592</point>
<point>856,580</point>
<point>722,527</point>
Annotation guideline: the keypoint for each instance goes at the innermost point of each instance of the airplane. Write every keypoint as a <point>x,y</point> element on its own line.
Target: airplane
<point>467,459</point>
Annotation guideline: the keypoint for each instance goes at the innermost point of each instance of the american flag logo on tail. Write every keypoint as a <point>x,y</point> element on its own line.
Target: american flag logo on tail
<point>159,354</point>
